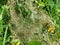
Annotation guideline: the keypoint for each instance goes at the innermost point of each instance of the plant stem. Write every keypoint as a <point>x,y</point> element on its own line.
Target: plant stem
<point>5,35</point>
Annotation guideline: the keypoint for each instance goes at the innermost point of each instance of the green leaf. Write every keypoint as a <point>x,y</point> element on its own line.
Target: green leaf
<point>0,17</point>
<point>41,4</point>
<point>51,3</point>
<point>34,42</point>
<point>1,28</point>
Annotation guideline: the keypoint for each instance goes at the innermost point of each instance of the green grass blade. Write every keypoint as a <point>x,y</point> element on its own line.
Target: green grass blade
<point>5,35</point>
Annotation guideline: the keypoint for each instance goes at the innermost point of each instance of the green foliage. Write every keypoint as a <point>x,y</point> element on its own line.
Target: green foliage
<point>2,2</point>
<point>23,9</point>
<point>1,23</point>
<point>34,42</point>
<point>5,35</point>
<point>40,3</point>
<point>52,7</point>
<point>6,16</point>
<point>1,28</point>
<point>1,40</point>
<point>4,19</point>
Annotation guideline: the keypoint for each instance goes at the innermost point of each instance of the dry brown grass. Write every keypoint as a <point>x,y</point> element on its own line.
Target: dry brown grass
<point>23,30</point>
